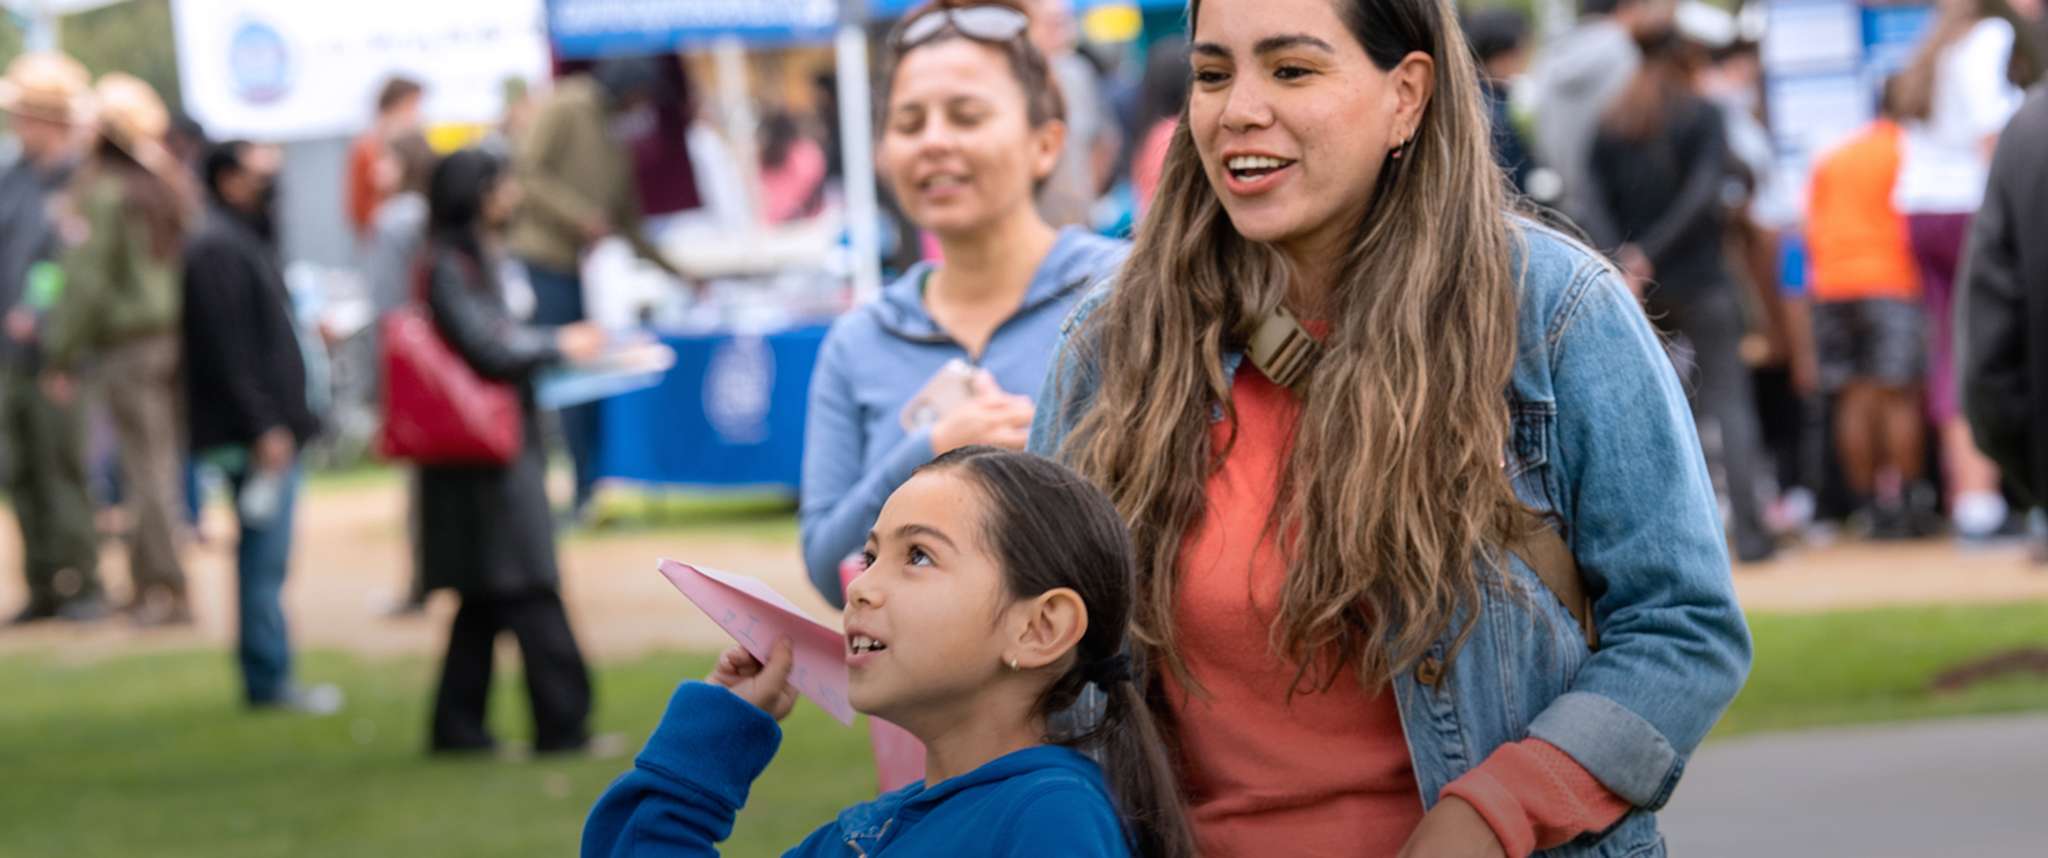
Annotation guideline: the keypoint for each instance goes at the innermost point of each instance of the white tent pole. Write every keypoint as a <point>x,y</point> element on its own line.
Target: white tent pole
<point>730,56</point>
<point>857,150</point>
<point>43,33</point>
<point>42,15</point>
<point>1554,18</point>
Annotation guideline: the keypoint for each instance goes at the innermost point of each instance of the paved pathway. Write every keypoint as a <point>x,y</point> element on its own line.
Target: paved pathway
<point>1972,787</point>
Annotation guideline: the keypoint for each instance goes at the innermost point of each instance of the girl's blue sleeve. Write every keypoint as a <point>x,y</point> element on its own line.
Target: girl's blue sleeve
<point>690,781</point>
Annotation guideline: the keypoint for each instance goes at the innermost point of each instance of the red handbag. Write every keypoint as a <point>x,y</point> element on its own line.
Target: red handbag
<point>437,409</point>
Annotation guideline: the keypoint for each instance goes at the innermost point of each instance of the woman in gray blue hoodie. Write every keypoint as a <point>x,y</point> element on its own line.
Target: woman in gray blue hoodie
<point>972,126</point>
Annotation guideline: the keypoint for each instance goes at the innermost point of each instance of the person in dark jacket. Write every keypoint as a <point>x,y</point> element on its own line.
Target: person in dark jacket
<point>43,95</point>
<point>1500,41</point>
<point>486,531</point>
<point>2002,321</point>
<point>1659,163</point>
<point>246,406</point>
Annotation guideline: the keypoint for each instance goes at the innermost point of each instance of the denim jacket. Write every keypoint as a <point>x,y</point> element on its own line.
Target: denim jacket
<point>1603,443</point>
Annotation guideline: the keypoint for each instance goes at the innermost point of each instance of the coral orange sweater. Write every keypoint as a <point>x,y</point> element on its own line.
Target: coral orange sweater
<point>1322,772</point>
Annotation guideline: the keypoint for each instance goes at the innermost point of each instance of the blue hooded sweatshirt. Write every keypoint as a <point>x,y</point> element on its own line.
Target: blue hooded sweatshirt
<point>688,784</point>
<point>878,356</point>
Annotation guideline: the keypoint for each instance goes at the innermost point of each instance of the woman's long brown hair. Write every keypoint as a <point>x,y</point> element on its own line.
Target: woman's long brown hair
<point>1394,489</point>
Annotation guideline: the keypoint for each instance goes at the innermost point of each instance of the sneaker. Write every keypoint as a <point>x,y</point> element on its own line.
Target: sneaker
<point>87,610</point>
<point>1890,524</point>
<point>161,614</point>
<point>1980,516</point>
<point>33,613</point>
<point>315,700</point>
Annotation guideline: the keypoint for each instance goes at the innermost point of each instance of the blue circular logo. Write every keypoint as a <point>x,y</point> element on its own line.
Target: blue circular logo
<point>259,63</point>
<point>738,390</point>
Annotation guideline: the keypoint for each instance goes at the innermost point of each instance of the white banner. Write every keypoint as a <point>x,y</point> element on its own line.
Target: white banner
<point>276,70</point>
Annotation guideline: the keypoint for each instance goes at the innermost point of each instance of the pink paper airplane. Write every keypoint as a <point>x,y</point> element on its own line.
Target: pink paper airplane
<point>757,616</point>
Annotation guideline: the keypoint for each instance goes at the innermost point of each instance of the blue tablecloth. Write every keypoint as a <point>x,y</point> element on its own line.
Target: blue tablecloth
<point>731,413</point>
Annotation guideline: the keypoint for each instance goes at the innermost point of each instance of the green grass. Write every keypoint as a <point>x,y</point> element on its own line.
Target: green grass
<point>1875,665</point>
<point>365,475</point>
<point>626,509</point>
<point>148,754</point>
<point>753,516</point>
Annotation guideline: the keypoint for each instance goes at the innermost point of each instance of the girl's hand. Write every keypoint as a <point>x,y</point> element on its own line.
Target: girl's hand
<point>764,685</point>
<point>1453,829</point>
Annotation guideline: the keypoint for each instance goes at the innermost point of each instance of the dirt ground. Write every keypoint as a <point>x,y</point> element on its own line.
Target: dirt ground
<point>349,568</point>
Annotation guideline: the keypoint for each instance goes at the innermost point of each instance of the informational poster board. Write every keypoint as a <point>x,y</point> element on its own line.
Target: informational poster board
<point>269,70</point>
<point>1824,65</point>
<point>589,29</point>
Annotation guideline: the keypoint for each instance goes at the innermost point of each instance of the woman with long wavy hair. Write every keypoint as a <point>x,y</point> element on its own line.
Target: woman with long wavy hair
<point>1377,544</point>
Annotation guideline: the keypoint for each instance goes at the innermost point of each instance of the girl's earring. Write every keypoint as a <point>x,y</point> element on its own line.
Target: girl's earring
<point>1013,662</point>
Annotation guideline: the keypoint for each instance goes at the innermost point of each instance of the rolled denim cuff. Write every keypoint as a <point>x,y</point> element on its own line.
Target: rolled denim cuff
<point>1619,748</point>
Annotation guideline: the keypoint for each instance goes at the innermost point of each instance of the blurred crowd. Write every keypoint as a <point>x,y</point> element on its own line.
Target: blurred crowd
<point>150,336</point>
<point>1815,314</point>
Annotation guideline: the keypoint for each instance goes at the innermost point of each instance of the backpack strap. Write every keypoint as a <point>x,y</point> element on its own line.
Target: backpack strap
<point>1545,552</point>
<point>1282,349</point>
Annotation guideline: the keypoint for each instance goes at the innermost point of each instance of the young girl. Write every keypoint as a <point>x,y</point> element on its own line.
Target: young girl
<point>998,588</point>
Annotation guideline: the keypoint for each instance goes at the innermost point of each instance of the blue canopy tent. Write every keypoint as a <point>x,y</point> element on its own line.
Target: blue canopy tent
<point>591,29</point>
<point>727,416</point>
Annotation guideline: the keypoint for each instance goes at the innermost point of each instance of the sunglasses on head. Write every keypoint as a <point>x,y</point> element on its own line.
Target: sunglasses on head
<point>988,23</point>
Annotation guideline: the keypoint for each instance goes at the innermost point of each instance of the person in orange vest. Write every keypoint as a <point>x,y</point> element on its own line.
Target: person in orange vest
<point>1868,325</point>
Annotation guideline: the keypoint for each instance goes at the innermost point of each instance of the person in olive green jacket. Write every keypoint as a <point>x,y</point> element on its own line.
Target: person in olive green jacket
<point>45,97</point>
<point>577,174</point>
<point>118,319</point>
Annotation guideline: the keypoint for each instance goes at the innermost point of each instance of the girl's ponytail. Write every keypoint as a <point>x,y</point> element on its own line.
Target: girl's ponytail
<point>1131,745</point>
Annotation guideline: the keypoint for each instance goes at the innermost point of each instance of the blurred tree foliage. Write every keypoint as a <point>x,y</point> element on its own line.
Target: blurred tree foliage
<point>134,37</point>
<point>10,36</point>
